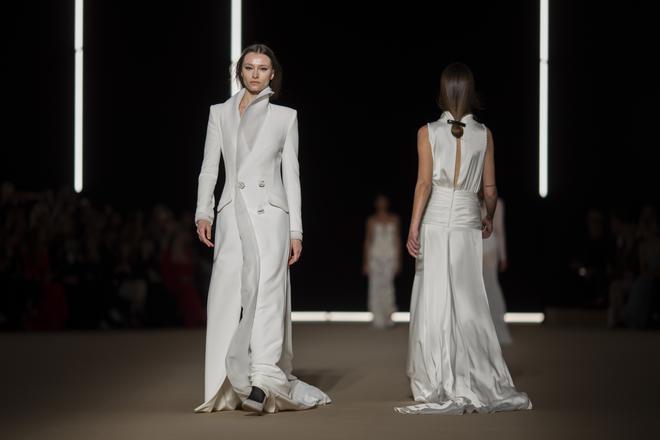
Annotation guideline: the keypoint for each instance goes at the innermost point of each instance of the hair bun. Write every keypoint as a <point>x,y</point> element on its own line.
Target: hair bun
<point>456,128</point>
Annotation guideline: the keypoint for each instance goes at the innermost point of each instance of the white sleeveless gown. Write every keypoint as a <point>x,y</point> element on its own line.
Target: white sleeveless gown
<point>383,257</point>
<point>455,363</point>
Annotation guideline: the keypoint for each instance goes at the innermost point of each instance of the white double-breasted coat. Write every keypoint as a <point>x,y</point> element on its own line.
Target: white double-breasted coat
<point>248,337</point>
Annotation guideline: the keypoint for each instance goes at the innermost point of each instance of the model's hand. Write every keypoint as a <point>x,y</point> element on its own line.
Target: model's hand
<point>204,232</point>
<point>413,241</point>
<point>296,250</point>
<point>487,227</point>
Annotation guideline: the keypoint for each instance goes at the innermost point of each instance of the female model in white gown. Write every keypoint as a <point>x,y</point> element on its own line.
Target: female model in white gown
<point>382,261</point>
<point>455,363</point>
<point>495,261</point>
<point>258,234</point>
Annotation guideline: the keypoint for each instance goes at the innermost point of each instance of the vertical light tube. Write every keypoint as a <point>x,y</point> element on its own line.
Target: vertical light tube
<point>78,99</point>
<point>543,98</point>
<point>236,43</point>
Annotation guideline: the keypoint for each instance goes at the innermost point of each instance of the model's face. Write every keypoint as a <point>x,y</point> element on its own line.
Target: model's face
<point>257,72</point>
<point>382,204</point>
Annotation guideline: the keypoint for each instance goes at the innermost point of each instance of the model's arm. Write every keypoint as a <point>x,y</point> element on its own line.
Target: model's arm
<point>208,177</point>
<point>422,188</point>
<point>488,184</point>
<point>500,232</point>
<point>291,178</point>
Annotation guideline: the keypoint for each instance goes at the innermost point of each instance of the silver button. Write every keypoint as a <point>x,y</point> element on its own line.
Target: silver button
<point>262,184</point>
<point>241,185</point>
<point>261,211</point>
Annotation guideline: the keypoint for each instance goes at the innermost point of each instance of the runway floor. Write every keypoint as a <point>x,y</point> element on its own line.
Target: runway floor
<point>585,383</point>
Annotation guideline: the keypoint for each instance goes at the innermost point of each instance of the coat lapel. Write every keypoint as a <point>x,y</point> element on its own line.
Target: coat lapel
<point>230,129</point>
<point>251,125</point>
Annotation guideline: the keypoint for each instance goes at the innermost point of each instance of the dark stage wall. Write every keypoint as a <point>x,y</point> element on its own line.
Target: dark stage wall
<point>363,80</point>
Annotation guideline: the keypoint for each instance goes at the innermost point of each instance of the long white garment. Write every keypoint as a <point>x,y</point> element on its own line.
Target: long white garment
<point>383,259</point>
<point>494,252</point>
<point>455,363</point>
<point>248,336</point>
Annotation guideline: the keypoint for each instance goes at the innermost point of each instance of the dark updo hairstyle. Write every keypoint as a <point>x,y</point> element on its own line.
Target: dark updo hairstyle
<point>457,95</point>
<point>276,83</point>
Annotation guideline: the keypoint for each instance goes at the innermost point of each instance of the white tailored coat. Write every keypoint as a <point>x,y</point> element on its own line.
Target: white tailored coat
<point>248,336</point>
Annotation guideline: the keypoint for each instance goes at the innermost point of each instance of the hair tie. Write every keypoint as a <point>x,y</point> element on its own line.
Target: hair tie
<point>451,121</point>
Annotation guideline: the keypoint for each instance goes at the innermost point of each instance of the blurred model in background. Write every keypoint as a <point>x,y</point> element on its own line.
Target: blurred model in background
<point>495,261</point>
<point>382,261</point>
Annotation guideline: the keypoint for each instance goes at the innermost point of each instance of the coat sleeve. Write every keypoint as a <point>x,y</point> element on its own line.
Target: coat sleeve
<point>291,178</point>
<point>208,175</point>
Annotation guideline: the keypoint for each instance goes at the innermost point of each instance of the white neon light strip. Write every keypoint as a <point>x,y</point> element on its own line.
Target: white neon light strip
<point>332,316</point>
<point>524,318</point>
<point>78,99</point>
<point>543,99</point>
<point>513,318</point>
<point>236,43</point>
<point>401,316</point>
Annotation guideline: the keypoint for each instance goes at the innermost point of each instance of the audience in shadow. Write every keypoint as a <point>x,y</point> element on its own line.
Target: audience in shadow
<point>618,268</point>
<point>66,263</point>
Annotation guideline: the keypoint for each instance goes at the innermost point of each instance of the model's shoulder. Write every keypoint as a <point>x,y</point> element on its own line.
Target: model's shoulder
<point>485,131</point>
<point>226,103</point>
<point>222,109</point>
<point>429,130</point>
<point>217,108</point>
<point>480,126</point>
<point>284,110</point>
<point>432,125</point>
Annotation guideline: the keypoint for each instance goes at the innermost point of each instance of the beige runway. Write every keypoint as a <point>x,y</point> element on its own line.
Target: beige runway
<point>585,383</point>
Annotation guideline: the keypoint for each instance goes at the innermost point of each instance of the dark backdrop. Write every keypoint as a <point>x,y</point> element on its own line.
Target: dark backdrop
<point>364,79</point>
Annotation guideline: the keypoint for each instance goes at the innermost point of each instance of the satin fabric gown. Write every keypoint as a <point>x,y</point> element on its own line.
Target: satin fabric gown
<point>383,258</point>
<point>248,335</point>
<point>455,364</point>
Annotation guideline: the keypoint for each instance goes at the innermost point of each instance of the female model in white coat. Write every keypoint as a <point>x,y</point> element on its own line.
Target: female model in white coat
<point>455,364</point>
<point>258,235</point>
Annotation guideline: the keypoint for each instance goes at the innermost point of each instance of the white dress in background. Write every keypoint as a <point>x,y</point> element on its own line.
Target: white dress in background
<point>383,258</point>
<point>494,252</point>
<point>248,334</point>
<point>455,363</point>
